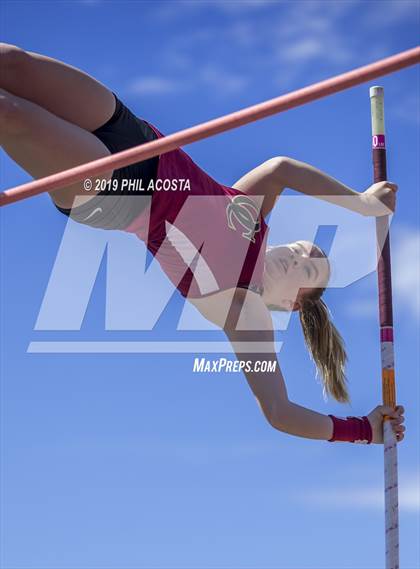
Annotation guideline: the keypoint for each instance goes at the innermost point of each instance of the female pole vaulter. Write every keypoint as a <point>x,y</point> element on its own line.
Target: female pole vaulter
<point>213,248</point>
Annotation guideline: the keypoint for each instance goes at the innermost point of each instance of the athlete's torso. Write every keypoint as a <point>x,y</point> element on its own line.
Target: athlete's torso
<point>207,237</point>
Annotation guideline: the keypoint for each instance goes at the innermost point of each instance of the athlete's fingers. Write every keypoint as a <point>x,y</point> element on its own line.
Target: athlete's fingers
<point>398,421</point>
<point>387,411</point>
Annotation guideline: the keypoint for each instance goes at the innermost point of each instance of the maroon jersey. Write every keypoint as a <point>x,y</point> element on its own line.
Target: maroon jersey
<point>207,237</point>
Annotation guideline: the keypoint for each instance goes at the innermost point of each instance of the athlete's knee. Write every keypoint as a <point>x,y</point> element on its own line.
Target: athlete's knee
<point>11,113</point>
<point>13,59</point>
<point>12,56</point>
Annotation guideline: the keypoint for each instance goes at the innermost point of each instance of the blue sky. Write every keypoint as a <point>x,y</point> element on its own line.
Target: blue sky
<point>131,460</point>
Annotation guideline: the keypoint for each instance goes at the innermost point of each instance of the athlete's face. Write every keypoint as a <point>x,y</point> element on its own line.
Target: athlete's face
<point>291,272</point>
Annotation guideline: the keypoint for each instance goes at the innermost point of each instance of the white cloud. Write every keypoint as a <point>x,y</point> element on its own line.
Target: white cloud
<point>406,268</point>
<point>405,263</point>
<point>285,40</point>
<point>222,81</point>
<point>312,31</point>
<point>241,6</point>
<point>280,38</point>
<point>303,50</point>
<point>363,307</point>
<point>209,77</point>
<point>390,13</point>
<point>364,498</point>
<point>154,86</point>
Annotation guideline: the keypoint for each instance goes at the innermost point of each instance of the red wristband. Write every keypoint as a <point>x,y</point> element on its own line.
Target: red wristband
<point>351,430</point>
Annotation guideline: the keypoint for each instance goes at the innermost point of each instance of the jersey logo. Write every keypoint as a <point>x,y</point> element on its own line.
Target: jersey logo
<point>243,211</point>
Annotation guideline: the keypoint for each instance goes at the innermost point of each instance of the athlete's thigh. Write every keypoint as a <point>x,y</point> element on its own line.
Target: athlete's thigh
<point>58,87</point>
<point>42,144</point>
<point>261,181</point>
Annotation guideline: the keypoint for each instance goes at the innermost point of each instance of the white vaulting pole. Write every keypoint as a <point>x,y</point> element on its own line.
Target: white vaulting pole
<point>386,335</point>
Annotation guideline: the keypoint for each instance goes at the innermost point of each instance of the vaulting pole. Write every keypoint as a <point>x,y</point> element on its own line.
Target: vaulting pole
<point>386,335</point>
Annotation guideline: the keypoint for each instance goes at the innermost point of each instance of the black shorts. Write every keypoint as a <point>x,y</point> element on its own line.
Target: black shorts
<point>117,206</point>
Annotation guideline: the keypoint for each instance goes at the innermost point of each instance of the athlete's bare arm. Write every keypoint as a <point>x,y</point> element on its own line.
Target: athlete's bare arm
<point>273,176</point>
<point>249,328</point>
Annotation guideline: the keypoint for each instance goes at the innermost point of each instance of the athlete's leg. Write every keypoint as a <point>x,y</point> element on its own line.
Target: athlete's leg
<point>266,180</point>
<point>57,87</point>
<point>43,143</point>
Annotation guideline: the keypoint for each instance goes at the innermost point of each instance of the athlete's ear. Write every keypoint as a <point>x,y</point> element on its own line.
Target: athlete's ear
<point>296,306</point>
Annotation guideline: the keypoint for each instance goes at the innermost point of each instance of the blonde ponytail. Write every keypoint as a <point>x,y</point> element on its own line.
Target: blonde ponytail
<point>326,346</point>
